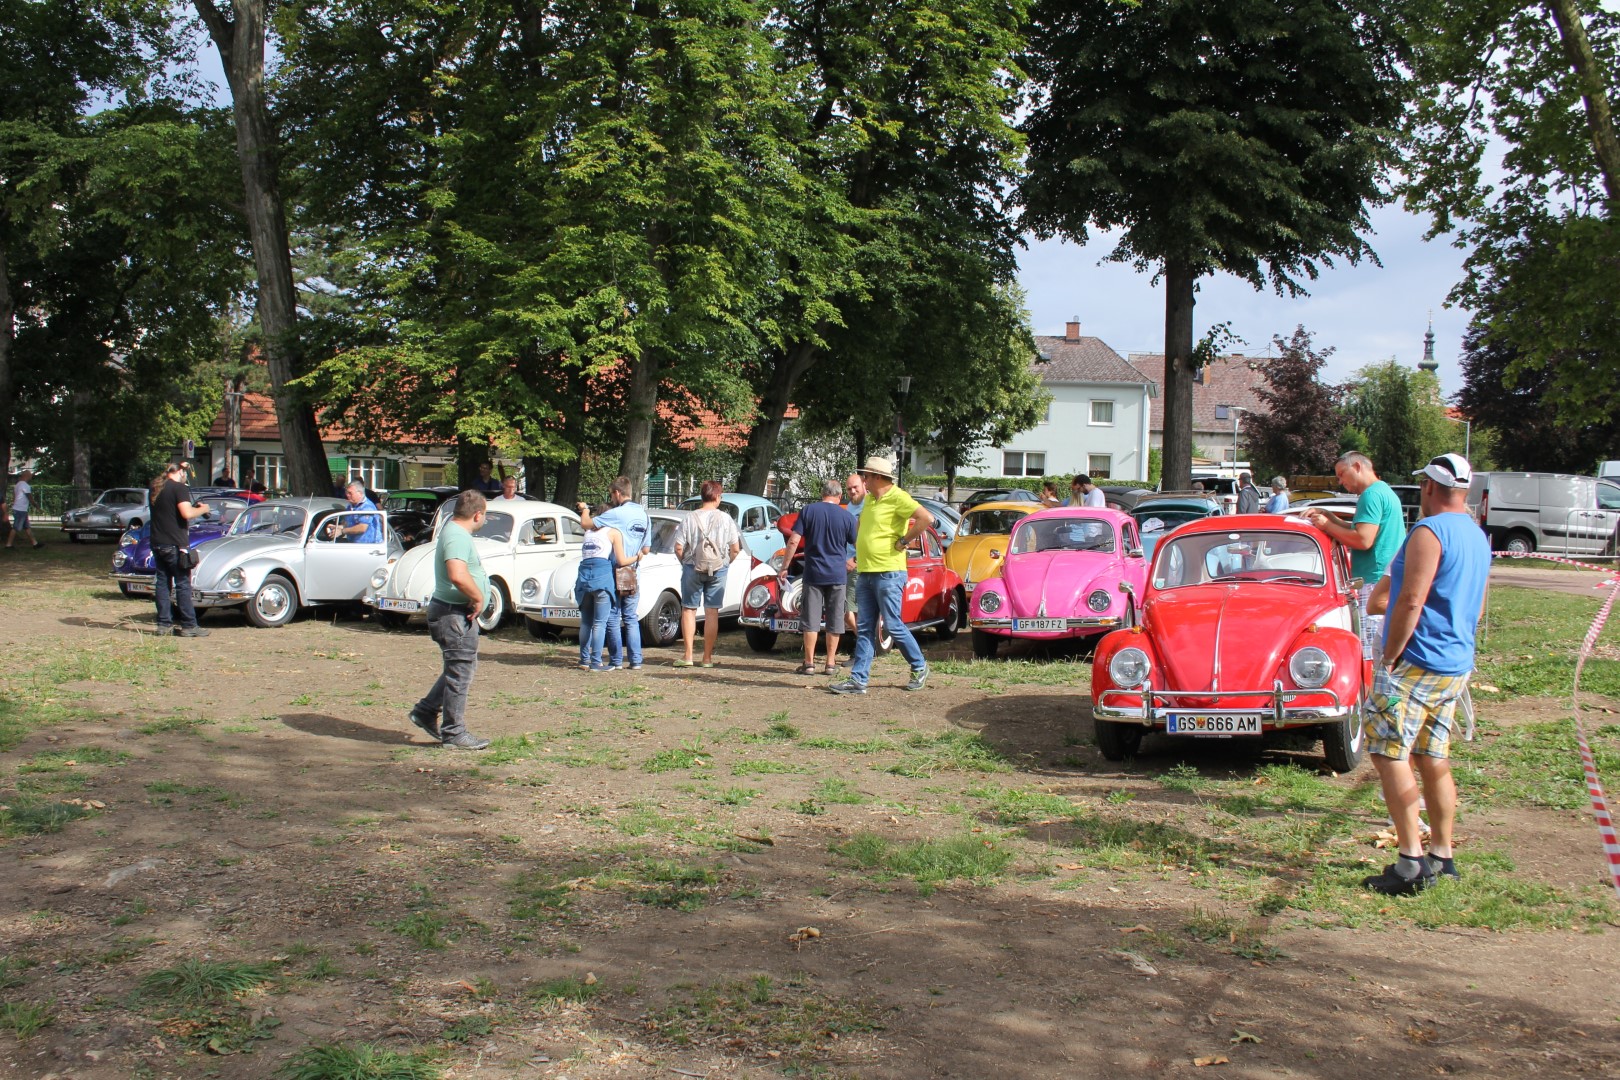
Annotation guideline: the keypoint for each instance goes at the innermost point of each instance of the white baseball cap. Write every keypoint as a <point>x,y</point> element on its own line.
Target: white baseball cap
<point>1448,470</point>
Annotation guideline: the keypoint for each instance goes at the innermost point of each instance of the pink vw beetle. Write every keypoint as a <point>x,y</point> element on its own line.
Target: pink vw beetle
<point>1070,572</point>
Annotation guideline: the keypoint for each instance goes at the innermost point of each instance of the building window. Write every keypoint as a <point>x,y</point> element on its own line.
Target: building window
<point>1102,414</point>
<point>1046,417</point>
<point>1100,466</point>
<point>270,470</point>
<point>369,471</point>
<point>1022,463</point>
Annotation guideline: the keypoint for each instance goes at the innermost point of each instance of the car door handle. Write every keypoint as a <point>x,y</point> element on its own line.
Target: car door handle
<point>376,553</point>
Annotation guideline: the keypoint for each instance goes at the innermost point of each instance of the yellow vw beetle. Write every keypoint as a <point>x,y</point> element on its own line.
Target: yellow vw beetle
<point>981,540</point>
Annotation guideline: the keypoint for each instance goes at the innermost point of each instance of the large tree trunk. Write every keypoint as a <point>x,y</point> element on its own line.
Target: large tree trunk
<point>1179,280</point>
<point>8,331</point>
<point>773,405</point>
<point>241,48</point>
<point>534,476</point>
<point>1589,76</point>
<point>641,403</point>
<point>567,493</point>
<point>79,402</point>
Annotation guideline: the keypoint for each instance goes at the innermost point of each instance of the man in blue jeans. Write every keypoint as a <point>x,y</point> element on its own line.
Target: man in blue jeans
<point>890,520</point>
<point>630,518</point>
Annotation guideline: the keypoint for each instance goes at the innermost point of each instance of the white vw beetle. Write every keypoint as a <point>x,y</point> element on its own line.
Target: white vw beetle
<point>658,594</point>
<point>283,555</point>
<point>521,540</point>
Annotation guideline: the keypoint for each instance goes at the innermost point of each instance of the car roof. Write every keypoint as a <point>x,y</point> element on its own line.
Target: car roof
<point>308,502</point>
<point>1091,513</point>
<point>1146,507</point>
<point>1001,504</point>
<point>740,500</point>
<point>1251,523</point>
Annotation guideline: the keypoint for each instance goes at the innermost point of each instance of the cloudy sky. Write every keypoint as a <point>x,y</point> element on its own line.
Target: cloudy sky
<point>1366,313</point>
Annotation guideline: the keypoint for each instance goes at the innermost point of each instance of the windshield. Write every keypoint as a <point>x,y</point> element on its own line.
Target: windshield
<point>123,497</point>
<point>1063,534</point>
<point>662,540</point>
<point>990,522</point>
<point>496,527</point>
<point>1291,558</point>
<point>1154,521</point>
<point>410,502</point>
<point>269,519</point>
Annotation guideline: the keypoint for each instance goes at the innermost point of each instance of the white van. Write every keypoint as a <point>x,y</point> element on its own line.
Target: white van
<point>1609,470</point>
<point>1555,513</point>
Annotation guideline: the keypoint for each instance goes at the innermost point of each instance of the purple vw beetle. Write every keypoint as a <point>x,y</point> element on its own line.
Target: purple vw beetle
<point>1070,572</point>
<point>132,564</point>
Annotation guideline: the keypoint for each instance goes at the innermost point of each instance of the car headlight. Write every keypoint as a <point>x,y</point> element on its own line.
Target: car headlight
<point>758,596</point>
<point>529,590</point>
<point>235,579</point>
<point>119,559</point>
<point>989,602</point>
<point>1310,667</point>
<point>777,561</point>
<point>1129,668</point>
<point>1099,600</point>
<point>379,579</point>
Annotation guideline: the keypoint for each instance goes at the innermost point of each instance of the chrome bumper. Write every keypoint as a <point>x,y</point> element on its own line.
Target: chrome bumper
<point>1155,705</point>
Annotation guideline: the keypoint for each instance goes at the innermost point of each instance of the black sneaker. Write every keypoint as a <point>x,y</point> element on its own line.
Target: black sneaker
<point>191,631</point>
<point>1442,867</point>
<point>427,724</point>
<point>848,686</point>
<point>1392,883</point>
<point>466,741</point>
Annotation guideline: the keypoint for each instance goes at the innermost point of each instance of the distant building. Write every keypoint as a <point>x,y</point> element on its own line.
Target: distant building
<point>1227,381</point>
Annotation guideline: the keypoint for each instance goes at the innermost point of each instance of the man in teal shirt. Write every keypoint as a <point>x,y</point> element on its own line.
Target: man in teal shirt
<point>459,588</point>
<point>1373,535</point>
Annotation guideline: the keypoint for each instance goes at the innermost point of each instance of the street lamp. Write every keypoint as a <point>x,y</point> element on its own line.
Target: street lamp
<point>904,385</point>
<point>1468,435</point>
<point>1221,413</point>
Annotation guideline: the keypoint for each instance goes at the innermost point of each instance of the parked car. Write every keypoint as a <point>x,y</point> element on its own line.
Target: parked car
<point>1552,512</point>
<point>114,510</point>
<point>933,598</point>
<point>981,539</point>
<point>412,512</point>
<point>280,556</point>
<point>520,539</point>
<point>547,604</point>
<point>1159,515</point>
<point>1249,625</point>
<point>132,564</point>
<point>998,495</point>
<point>946,518</point>
<point>1070,572</point>
<point>756,519</point>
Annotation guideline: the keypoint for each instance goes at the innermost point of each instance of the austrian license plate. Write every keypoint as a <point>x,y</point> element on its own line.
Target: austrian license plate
<point>787,626</point>
<point>559,613</point>
<point>389,603</point>
<point>1040,624</point>
<point>143,587</point>
<point>1212,724</point>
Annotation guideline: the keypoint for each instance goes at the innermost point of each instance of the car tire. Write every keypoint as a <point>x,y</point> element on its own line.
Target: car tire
<point>1519,542</point>
<point>760,639</point>
<point>955,616</point>
<point>496,605</point>
<point>274,604</point>
<point>540,631</point>
<point>393,620</point>
<point>1118,741</point>
<point>662,625</point>
<point>1344,743</point>
<point>74,538</point>
<point>985,645</point>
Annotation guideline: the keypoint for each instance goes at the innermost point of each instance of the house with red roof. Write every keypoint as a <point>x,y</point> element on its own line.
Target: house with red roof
<point>1225,391</point>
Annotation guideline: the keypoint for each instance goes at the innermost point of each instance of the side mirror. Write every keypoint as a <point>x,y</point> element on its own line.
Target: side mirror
<point>1134,553</point>
<point>995,553</point>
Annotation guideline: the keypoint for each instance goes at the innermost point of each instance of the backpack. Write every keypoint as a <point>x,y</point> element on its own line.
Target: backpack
<point>712,556</point>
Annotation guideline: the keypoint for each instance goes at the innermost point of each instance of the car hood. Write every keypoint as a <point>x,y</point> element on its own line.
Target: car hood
<point>1248,630</point>
<point>970,556</point>
<point>410,577</point>
<point>232,551</point>
<point>1056,583</point>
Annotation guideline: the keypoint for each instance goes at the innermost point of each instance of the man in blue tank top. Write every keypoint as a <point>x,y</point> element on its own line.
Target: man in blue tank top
<point>1436,590</point>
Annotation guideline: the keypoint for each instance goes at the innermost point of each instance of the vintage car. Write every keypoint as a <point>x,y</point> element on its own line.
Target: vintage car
<point>981,539</point>
<point>412,512</point>
<point>1249,626</point>
<point>115,510</point>
<point>285,554</point>
<point>132,564</point>
<point>946,518</point>
<point>756,519</point>
<point>1000,495</point>
<point>934,598</point>
<point>1069,572</point>
<point>1158,515</point>
<point>520,539</point>
<point>548,605</point>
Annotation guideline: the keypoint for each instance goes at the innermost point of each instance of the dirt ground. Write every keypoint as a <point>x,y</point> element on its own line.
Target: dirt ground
<point>258,796</point>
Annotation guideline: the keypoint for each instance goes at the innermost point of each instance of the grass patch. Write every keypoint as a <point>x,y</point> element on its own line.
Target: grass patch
<point>994,676</point>
<point>848,746</point>
<point>359,1061</point>
<point>777,730</point>
<point>929,863</point>
<point>841,792</point>
<point>23,1018</point>
<point>50,761</point>
<point>550,895</point>
<point>426,928</point>
<point>763,1018</point>
<point>169,724</point>
<point>1532,764</point>
<point>29,817</point>
<point>198,982</point>
<point>687,756</point>
<point>506,749</point>
<point>1019,806</point>
<point>468,1027</point>
<point>567,988</point>
<point>765,767</point>
<point>949,751</point>
<point>1529,642</point>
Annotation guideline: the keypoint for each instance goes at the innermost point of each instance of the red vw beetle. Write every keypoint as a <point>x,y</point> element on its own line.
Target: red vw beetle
<point>1249,625</point>
<point>933,597</point>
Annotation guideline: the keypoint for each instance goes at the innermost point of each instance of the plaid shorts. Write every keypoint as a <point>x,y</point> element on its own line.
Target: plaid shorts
<point>1410,711</point>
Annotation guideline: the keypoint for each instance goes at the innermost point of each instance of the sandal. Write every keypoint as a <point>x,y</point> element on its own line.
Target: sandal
<point>805,669</point>
<point>684,663</point>
<point>830,669</point>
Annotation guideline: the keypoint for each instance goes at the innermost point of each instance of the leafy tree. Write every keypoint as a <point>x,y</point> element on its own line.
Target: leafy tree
<point>1236,136</point>
<point>1298,433</point>
<point>1399,413</point>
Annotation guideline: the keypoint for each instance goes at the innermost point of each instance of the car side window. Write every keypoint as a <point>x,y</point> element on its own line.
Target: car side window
<point>539,531</point>
<point>771,514</point>
<point>930,546</point>
<point>1608,496</point>
<point>753,520</point>
<point>573,532</point>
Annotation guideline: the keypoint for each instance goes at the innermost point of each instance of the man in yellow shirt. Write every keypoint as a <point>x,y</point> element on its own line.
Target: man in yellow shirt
<point>890,520</point>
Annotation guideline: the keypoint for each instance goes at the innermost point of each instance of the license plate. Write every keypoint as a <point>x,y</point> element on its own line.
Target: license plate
<point>559,613</point>
<point>1040,624</point>
<point>139,586</point>
<point>1212,724</point>
<point>388,603</point>
<point>787,626</point>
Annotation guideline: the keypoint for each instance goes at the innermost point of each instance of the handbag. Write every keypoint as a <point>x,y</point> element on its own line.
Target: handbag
<point>624,579</point>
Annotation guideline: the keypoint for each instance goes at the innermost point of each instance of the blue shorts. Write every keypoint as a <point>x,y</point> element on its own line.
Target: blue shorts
<point>702,590</point>
<point>19,520</point>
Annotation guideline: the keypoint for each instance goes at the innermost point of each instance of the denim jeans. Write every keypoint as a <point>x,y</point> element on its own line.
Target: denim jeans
<point>170,576</point>
<point>597,609</point>
<point>624,617</point>
<point>457,638</point>
<point>881,594</point>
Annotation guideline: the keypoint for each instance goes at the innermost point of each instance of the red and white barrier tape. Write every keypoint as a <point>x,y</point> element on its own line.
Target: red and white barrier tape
<point>1594,789</point>
<point>1611,570</point>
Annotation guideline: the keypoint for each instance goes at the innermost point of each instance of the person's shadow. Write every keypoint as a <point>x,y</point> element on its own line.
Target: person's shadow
<point>335,727</point>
